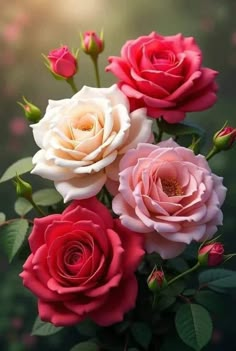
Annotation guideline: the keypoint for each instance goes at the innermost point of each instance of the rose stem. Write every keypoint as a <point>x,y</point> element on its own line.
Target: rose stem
<point>184,273</point>
<point>71,82</point>
<point>95,64</point>
<point>37,208</point>
<point>212,153</point>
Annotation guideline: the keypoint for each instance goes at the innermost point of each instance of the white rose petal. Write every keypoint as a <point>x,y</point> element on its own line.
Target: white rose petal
<point>82,138</point>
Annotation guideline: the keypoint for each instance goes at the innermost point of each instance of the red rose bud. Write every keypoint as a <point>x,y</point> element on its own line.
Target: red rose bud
<point>211,254</point>
<point>32,112</point>
<point>225,138</point>
<point>92,44</point>
<point>62,62</point>
<point>156,280</point>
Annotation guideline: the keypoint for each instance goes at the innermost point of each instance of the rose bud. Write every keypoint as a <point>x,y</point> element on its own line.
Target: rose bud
<point>225,138</point>
<point>62,63</point>
<point>92,44</point>
<point>23,189</point>
<point>156,280</point>
<point>211,254</point>
<point>32,112</point>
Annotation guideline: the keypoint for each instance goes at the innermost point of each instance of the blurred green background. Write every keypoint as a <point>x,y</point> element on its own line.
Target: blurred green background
<point>29,28</point>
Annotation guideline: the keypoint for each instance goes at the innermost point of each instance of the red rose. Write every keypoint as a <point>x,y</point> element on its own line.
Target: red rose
<point>63,63</point>
<point>164,74</point>
<point>211,254</point>
<point>82,265</point>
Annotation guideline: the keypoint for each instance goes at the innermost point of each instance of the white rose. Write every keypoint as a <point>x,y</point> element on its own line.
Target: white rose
<point>82,139</point>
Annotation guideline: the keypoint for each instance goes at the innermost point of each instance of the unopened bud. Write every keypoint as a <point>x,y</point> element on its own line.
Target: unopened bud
<point>32,112</point>
<point>92,44</point>
<point>23,189</point>
<point>62,63</point>
<point>156,280</point>
<point>211,254</point>
<point>225,138</point>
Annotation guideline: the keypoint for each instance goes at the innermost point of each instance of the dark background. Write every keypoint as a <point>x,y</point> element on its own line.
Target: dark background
<point>31,27</point>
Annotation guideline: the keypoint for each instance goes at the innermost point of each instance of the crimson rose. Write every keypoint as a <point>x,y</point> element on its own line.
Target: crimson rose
<point>82,265</point>
<point>164,74</point>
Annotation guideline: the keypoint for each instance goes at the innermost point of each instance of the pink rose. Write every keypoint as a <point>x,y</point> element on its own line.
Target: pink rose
<point>170,194</point>
<point>211,255</point>
<point>164,74</point>
<point>82,265</point>
<point>63,62</point>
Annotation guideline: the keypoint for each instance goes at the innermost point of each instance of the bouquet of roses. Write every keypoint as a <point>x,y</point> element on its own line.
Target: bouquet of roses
<point>123,248</point>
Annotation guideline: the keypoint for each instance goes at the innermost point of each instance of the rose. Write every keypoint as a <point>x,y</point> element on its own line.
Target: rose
<point>170,194</point>
<point>83,138</point>
<point>82,265</point>
<point>62,62</point>
<point>164,74</point>
<point>211,254</point>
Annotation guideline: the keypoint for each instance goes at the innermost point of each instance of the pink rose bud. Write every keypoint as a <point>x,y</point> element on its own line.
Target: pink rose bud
<point>62,62</point>
<point>156,280</point>
<point>211,254</point>
<point>32,112</point>
<point>92,44</point>
<point>225,138</point>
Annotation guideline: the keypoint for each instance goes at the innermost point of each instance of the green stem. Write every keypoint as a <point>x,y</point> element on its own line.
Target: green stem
<point>212,153</point>
<point>37,208</point>
<point>95,64</point>
<point>71,82</point>
<point>184,273</point>
<point>160,133</point>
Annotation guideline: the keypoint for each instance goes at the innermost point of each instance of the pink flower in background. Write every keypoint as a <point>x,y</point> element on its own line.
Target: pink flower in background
<point>63,62</point>
<point>169,194</point>
<point>82,265</point>
<point>18,126</point>
<point>164,74</point>
<point>11,32</point>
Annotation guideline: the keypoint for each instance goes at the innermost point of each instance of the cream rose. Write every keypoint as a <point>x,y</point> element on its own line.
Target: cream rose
<point>80,137</point>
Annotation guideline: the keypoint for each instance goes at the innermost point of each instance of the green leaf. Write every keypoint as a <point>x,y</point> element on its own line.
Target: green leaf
<point>22,206</point>
<point>165,301</point>
<point>85,346</point>
<point>87,328</point>
<point>19,167</point>
<point>142,334</point>
<point>12,236</point>
<point>178,264</point>
<point>122,326</point>
<point>180,129</point>
<point>174,289</point>
<point>210,300</point>
<point>174,343</point>
<point>218,278</point>
<point>2,217</point>
<point>194,325</point>
<point>46,197</point>
<point>189,292</point>
<point>41,328</point>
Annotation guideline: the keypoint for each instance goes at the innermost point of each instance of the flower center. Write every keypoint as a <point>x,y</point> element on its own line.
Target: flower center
<point>171,187</point>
